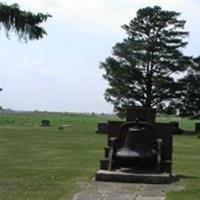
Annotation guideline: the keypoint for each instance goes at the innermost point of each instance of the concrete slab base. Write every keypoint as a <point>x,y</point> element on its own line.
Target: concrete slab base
<point>120,176</point>
<point>99,190</point>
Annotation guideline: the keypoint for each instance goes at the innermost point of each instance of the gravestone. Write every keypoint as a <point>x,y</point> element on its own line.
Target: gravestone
<point>197,127</point>
<point>102,128</point>
<point>45,123</point>
<point>143,114</point>
<point>175,127</point>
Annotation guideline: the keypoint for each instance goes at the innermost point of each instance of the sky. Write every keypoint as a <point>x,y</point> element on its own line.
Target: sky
<point>61,71</point>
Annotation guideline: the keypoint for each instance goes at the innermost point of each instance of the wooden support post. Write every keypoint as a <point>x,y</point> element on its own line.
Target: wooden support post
<point>159,141</point>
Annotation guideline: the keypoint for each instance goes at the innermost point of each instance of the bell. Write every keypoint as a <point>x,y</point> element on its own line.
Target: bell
<point>136,146</point>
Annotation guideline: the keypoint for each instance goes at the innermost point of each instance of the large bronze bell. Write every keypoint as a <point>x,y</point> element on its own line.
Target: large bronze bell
<point>137,145</point>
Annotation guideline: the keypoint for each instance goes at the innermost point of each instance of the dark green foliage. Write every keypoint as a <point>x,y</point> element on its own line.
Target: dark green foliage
<point>140,71</point>
<point>170,109</point>
<point>188,101</point>
<point>24,24</point>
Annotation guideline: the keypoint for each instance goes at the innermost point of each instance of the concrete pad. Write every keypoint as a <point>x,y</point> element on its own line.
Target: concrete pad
<point>119,176</point>
<point>124,191</point>
<point>150,198</point>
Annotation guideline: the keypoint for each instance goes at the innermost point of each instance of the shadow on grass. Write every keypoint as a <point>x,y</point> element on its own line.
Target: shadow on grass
<point>178,177</point>
<point>181,176</point>
<point>184,132</point>
<point>188,132</point>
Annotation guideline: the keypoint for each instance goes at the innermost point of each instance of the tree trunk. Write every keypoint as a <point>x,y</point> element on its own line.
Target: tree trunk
<point>149,92</point>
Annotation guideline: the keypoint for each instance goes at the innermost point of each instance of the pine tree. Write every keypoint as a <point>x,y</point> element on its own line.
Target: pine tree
<point>141,68</point>
<point>24,24</point>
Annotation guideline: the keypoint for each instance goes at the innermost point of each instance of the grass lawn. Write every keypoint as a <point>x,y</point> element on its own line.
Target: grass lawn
<point>40,163</point>
<point>187,165</point>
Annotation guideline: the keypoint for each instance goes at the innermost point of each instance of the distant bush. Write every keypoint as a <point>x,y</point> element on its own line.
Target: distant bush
<point>10,122</point>
<point>195,117</point>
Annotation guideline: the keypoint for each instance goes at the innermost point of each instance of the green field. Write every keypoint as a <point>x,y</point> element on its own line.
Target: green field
<point>39,163</point>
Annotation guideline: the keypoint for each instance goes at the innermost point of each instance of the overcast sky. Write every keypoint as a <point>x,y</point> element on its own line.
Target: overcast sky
<point>61,71</point>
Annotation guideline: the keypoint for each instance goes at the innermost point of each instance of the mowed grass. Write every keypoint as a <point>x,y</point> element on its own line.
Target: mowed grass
<point>184,123</point>
<point>39,163</point>
<point>186,163</point>
<point>186,160</point>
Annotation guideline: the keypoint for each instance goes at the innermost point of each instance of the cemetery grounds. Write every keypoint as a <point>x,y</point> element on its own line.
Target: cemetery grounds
<point>46,163</point>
